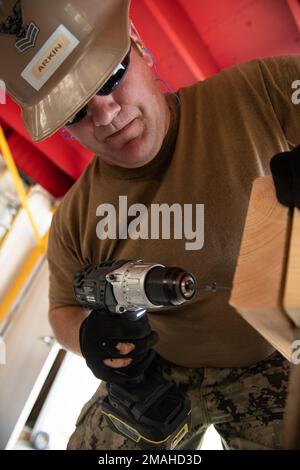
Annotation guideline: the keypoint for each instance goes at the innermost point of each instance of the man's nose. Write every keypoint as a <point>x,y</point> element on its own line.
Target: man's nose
<point>103,109</point>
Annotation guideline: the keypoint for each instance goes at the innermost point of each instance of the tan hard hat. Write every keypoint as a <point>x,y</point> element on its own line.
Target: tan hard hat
<point>56,54</point>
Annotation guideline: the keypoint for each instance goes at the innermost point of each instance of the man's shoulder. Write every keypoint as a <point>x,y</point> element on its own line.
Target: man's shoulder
<point>227,77</point>
<point>274,68</point>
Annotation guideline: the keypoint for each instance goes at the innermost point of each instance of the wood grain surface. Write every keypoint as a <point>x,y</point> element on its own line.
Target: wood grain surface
<point>291,300</point>
<point>259,279</point>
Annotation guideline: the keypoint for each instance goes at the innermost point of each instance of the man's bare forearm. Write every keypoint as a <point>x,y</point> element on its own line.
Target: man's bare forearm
<point>65,322</point>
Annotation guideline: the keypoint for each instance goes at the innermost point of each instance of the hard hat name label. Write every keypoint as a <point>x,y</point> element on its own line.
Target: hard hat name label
<point>48,59</point>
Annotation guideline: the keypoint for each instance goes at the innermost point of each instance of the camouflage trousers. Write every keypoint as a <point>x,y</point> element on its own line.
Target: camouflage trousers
<point>245,405</point>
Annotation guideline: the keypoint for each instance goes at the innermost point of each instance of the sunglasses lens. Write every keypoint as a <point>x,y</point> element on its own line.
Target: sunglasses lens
<point>116,77</point>
<point>109,86</point>
<point>78,116</point>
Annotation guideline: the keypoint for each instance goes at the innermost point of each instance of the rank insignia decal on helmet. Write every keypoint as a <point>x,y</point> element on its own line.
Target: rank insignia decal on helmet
<point>13,25</point>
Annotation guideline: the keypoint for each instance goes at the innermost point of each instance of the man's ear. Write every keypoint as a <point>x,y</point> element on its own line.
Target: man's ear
<point>144,52</point>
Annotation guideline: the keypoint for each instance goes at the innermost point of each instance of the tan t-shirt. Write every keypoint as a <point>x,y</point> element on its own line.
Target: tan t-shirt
<point>222,136</point>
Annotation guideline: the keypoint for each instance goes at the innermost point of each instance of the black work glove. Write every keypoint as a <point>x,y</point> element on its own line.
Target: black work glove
<point>99,334</point>
<point>285,168</point>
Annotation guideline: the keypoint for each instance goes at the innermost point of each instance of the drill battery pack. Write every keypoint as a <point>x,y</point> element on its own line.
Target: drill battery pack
<point>154,413</point>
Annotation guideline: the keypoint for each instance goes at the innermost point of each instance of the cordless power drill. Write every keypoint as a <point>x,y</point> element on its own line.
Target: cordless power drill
<point>148,409</point>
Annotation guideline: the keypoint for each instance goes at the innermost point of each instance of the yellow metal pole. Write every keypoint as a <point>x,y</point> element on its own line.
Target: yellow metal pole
<point>22,277</point>
<point>39,250</point>
<point>18,183</point>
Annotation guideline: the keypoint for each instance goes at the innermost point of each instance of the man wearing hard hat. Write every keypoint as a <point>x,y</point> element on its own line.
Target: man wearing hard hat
<point>83,65</point>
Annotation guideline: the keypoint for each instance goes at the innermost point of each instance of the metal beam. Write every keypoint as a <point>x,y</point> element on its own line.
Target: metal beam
<point>173,20</point>
<point>294,6</point>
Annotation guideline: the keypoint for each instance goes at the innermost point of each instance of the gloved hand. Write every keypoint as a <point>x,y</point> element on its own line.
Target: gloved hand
<point>285,169</point>
<point>99,335</point>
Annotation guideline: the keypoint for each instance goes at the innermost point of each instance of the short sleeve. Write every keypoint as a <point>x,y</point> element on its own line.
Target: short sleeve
<point>63,264</point>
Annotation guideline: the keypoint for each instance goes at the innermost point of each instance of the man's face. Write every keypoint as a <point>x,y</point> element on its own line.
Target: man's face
<point>127,127</point>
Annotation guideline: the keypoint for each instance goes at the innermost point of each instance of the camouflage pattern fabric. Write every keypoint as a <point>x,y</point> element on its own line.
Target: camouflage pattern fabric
<point>245,405</point>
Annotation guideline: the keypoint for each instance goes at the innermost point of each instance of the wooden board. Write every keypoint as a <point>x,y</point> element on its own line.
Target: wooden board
<point>261,268</point>
<point>291,301</point>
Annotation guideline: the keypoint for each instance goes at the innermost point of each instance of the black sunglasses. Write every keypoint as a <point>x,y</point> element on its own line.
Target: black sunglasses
<point>109,86</point>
